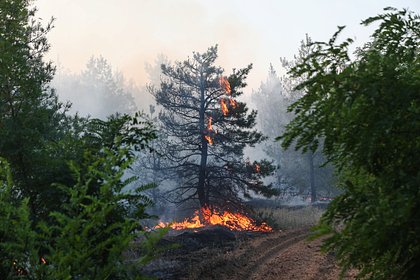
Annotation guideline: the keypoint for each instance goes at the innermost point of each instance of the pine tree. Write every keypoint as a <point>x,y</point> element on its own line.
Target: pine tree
<point>207,130</point>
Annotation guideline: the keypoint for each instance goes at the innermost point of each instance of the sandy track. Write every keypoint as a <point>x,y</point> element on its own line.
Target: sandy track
<point>256,257</point>
<point>280,255</point>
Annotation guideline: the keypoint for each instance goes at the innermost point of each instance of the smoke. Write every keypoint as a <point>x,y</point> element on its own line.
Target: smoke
<point>271,100</point>
<point>99,90</point>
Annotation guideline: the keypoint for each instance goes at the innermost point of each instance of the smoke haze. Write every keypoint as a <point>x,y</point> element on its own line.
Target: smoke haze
<point>131,33</point>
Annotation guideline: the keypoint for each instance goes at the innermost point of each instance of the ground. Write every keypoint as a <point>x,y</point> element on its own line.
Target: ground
<point>219,254</point>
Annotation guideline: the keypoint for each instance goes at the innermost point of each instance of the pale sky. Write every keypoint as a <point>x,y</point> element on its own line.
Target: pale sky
<point>130,33</point>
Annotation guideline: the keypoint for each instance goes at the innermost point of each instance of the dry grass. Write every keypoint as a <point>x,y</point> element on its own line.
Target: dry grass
<point>291,218</point>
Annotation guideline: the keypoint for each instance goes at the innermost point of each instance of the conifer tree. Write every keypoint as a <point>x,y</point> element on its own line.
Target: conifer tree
<point>207,130</point>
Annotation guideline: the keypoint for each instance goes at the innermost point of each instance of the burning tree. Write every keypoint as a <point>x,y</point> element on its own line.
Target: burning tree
<point>207,130</point>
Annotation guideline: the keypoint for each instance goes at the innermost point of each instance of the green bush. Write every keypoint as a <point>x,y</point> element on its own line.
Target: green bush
<point>367,111</point>
<point>18,254</point>
<point>87,238</point>
<point>89,235</point>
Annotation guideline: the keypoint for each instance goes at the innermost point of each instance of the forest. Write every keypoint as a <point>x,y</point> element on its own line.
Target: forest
<point>197,181</point>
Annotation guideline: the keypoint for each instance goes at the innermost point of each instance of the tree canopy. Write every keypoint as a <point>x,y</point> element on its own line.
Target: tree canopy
<point>367,109</point>
<point>64,213</point>
<point>30,114</point>
<point>207,129</point>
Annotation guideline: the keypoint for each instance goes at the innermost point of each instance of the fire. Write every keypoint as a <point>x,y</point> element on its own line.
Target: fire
<point>209,124</point>
<point>209,130</point>
<point>224,83</point>
<point>224,107</point>
<point>194,222</point>
<point>257,168</point>
<point>208,139</point>
<point>233,221</point>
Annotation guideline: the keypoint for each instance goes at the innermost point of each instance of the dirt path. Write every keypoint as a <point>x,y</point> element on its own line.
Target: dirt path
<point>280,255</point>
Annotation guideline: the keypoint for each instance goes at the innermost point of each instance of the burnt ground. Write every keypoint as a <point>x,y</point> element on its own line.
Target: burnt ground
<point>217,253</point>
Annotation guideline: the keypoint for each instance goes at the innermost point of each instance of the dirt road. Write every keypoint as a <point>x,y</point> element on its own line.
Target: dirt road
<point>280,255</point>
<point>221,254</point>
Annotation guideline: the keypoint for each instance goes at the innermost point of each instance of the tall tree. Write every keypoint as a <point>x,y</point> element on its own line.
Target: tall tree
<point>207,130</point>
<point>30,115</point>
<point>367,110</point>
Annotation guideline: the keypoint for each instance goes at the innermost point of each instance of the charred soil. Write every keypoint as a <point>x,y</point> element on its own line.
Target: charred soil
<point>217,253</point>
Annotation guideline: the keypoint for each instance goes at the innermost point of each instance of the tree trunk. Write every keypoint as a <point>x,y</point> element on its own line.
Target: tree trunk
<point>202,198</point>
<point>312,176</point>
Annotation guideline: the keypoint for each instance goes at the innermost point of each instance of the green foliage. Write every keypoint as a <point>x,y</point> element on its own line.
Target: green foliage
<point>30,114</point>
<point>18,253</point>
<point>93,229</point>
<point>88,237</point>
<point>78,217</point>
<point>367,110</point>
<point>119,130</point>
<point>94,220</point>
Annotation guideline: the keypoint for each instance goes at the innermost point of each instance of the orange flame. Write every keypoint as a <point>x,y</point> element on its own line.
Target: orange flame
<point>257,168</point>
<point>224,84</point>
<point>233,221</point>
<point>208,139</point>
<point>224,107</point>
<point>209,124</point>
<point>209,129</point>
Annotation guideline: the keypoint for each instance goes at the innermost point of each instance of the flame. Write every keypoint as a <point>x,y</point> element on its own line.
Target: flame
<point>209,124</point>
<point>233,221</point>
<point>257,168</point>
<point>194,222</point>
<point>224,84</point>
<point>224,107</point>
<point>209,129</point>
<point>208,139</point>
<point>233,103</point>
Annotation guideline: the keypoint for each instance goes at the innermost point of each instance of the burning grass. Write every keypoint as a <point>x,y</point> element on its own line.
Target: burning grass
<point>213,217</point>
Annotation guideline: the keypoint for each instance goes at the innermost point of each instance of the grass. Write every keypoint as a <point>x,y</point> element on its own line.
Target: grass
<point>290,218</point>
